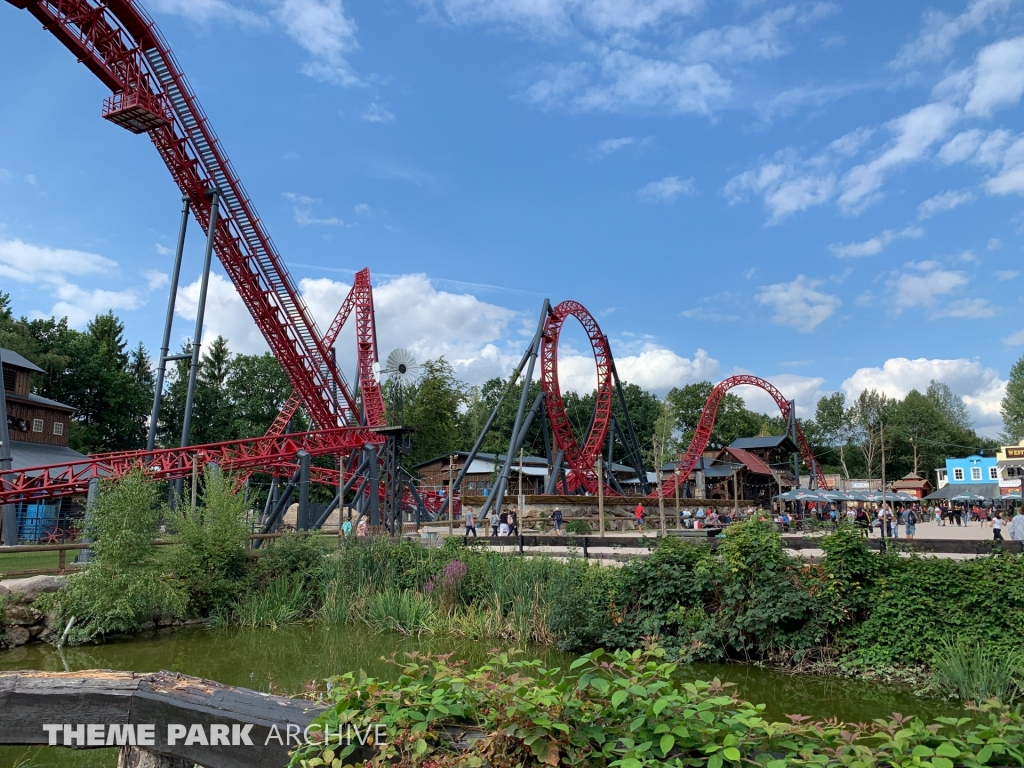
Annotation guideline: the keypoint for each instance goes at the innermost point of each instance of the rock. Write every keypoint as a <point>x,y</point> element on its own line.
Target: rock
<point>27,590</point>
<point>4,592</point>
<point>147,627</point>
<point>36,631</point>
<point>194,622</point>
<point>24,615</point>
<point>16,636</point>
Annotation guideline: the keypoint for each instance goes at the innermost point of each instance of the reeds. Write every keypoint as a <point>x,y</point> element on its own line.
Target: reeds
<point>974,671</point>
<point>404,611</point>
<point>283,601</point>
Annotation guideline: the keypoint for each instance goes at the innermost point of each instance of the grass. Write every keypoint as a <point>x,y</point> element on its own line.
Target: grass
<point>283,601</point>
<point>403,611</point>
<point>972,671</point>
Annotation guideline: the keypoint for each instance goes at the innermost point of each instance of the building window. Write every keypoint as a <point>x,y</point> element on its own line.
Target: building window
<point>58,427</point>
<point>958,474</point>
<point>975,473</point>
<point>993,473</point>
<point>37,425</point>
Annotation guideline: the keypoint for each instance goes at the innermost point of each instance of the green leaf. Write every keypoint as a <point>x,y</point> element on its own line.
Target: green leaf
<point>667,742</point>
<point>618,697</point>
<point>947,750</point>
<point>731,753</point>
<point>715,761</point>
<point>942,762</point>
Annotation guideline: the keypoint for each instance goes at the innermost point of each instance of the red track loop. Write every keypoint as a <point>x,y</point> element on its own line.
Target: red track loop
<point>707,422</point>
<point>580,462</point>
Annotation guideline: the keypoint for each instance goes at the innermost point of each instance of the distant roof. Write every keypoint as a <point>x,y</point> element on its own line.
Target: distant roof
<point>39,400</point>
<point>485,457</point>
<point>749,460</point>
<point>10,357</point>
<point>773,441</point>
<point>38,455</point>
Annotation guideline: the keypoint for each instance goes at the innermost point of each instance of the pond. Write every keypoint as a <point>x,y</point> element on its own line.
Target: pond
<point>280,661</point>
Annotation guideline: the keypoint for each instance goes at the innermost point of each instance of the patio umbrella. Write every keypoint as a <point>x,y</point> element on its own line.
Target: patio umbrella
<point>836,496</point>
<point>799,494</point>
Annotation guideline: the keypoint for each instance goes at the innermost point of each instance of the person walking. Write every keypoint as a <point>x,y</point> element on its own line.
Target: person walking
<point>997,526</point>
<point>503,523</point>
<point>1016,526</point>
<point>557,517</point>
<point>495,522</point>
<point>513,523</point>
<point>639,513</point>
<point>470,517</point>
<point>863,522</point>
<point>911,523</point>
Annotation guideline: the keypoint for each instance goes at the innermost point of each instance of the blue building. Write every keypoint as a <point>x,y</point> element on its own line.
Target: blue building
<point>973,470</point>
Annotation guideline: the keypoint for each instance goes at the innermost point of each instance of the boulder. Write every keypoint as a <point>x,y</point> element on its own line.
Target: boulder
<point>27,590</point>
<point>23,615</point>
<point>16,636</point>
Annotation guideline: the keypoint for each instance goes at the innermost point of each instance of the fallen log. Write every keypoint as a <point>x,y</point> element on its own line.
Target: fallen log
<point>161,720</point>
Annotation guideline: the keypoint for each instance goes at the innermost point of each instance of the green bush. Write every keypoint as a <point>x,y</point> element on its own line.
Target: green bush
<point>283,601</point>
<point>212,556</point>
<point>622,710</point>
<point>124,586</point>
<point>296,555</point>
<point>578,527</point>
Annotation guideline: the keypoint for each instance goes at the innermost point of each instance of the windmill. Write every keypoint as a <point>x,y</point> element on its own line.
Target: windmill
<point>402,372</point>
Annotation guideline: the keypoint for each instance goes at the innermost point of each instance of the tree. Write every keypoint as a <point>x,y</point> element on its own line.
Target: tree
<point>951,407</point>
<point>868,414</point>
<point>733,420</point>
<point>257,387</point>
<point>833,427</point>
<point>433,409</point>
<point>1013,404</point>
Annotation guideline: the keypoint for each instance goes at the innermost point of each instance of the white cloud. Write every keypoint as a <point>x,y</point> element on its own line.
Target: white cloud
<point>608,146</point>
<point>786,185</point>
<point>914,133</point>
<point>654,368</point>
<point>375,113</point>
<point>206,11</point>
<point>1015,339</point>
<point>29,263</point>
<point>759,40</point>
<point>1007,274</point>
<point>302,212</point>
<point>804,390</point>
<point>874,245</point>
<point>155,278</point>
<point>226,315</point>
<point>994,244</point>
<point>944,201</point>
<point>326,33</point>
<point>998,77</point>
<point>556,17</point>
<point>961,147</point>
<point>80,305</point>
<point>935,42</point>
<point>666,190</point>
<point>930,286</point>
<point>163,250</point>
<point>799,304</point>
<point>631,83</point>
<point>980,387</point>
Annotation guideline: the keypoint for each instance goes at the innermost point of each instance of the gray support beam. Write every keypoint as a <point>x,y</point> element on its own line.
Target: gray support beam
<point>632,446</point>
<point>556,468</point>
<point>197,337</point>
<point>514,446</point>
<point>165,346</point>
<point>496,498</point>
<point>91,498</point>
<point>8,512</point>
<point>302,517</point>
<point>374,488</point>
<point>282,505</point>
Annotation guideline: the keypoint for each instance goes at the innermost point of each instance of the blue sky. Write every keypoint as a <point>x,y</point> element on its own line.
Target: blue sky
<point>825,194</point>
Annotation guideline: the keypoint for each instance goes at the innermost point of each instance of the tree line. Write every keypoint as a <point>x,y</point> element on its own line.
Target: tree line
<point>110,383</point>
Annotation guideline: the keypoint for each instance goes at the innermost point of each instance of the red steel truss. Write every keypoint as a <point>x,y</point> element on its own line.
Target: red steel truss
<point>700,438</point>
<point>579,460</point>
<point>73,478</point>
<point>120,44</point>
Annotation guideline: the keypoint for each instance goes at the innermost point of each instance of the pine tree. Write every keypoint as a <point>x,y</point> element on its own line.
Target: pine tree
<point>1013,404</point>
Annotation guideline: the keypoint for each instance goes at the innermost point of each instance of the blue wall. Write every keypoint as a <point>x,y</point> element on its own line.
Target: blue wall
<point>984,463</point>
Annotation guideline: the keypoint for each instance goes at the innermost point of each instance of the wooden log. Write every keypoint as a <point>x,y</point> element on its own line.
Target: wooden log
<point>136,757</point>
<point>102,698</point>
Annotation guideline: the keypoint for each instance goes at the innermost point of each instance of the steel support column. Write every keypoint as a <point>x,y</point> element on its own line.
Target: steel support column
<point>165,346</point>
<point>302,515</point>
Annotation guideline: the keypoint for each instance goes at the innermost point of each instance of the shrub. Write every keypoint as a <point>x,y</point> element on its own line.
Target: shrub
<point>212,555</point>
<point>578,527</point>
<point>401,611</point>
<point>975,672</point>
<point>623,710</point>
<point>283,601</point>
<point>297,555</point>
<point>124,586</point>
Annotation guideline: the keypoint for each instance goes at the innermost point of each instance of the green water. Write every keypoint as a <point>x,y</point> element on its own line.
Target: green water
<point>281,661</point>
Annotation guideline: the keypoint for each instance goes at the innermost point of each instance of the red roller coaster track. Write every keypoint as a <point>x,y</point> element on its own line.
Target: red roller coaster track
<point>700,438</point>
<point>580,460</point>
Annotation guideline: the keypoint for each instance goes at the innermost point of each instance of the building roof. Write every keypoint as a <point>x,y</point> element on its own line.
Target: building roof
<point>749,460</point>
<point>484,457</point>
<point>987,490</point>
<point>10,357</point>
<point>38,455</point>
<point>773,441</point>
<point>39,400</point>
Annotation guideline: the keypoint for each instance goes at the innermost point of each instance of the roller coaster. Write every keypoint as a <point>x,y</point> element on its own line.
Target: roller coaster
<point>120,44</point>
